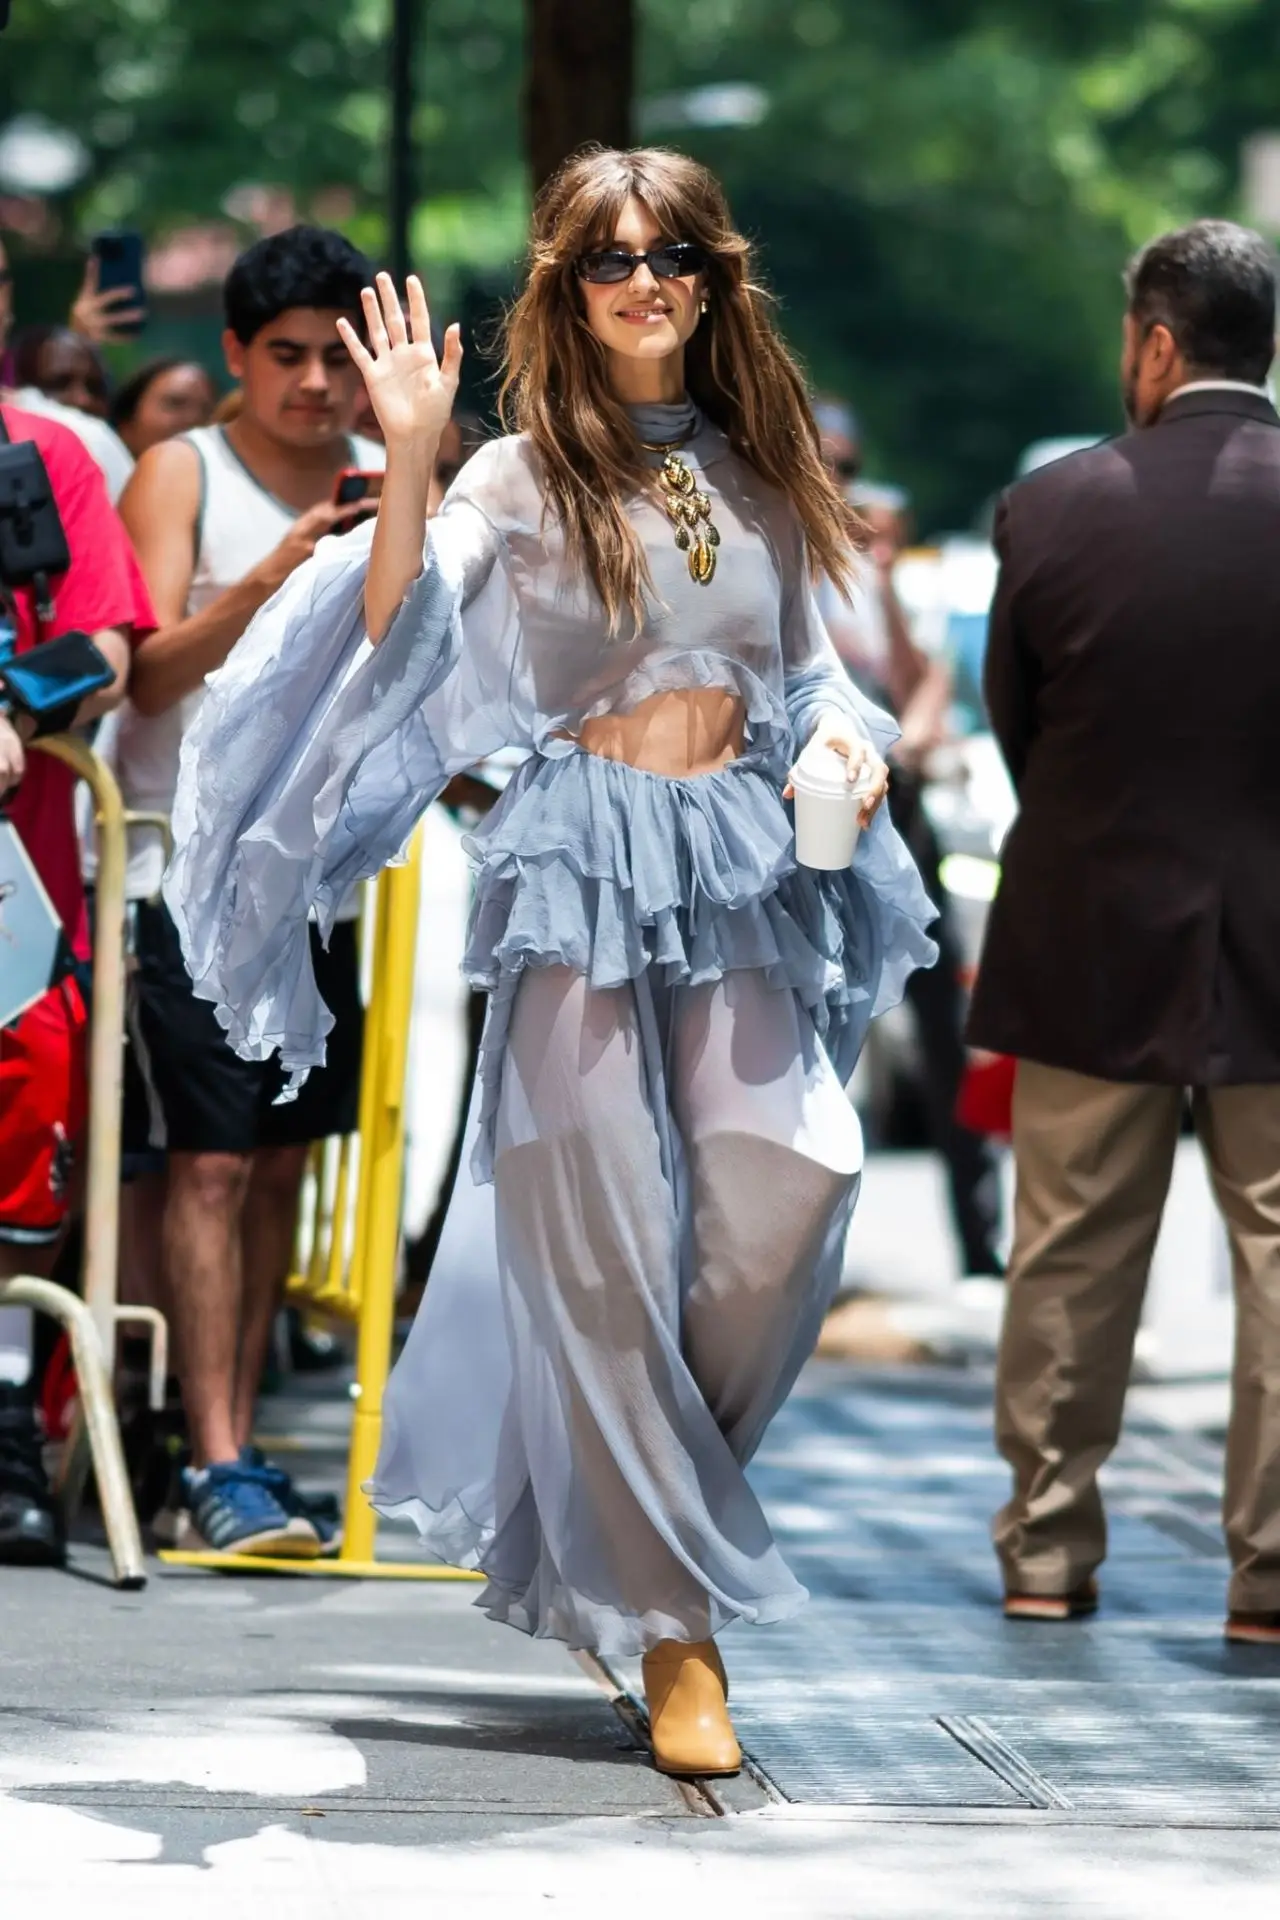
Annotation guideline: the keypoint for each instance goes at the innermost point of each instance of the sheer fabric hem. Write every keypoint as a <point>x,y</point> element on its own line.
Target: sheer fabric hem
<point>552,1612</point>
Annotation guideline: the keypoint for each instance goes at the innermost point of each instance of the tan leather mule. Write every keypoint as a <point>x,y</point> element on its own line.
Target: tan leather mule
<point>689,1725</point>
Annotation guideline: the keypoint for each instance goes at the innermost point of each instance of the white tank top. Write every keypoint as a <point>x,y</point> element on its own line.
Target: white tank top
<point>239,524</point>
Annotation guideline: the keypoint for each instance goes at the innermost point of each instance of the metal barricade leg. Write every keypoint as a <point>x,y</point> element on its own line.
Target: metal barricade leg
<point>378,1251</point>
<point>91,1322</point>
<point>97,1403</point>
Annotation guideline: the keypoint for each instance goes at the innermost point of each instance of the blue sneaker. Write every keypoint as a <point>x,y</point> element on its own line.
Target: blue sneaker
<point>321,1510</point>
<point>234,1510</point>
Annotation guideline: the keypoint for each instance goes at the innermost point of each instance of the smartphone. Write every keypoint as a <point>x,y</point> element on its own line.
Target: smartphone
<point>360,488</point>
<point>121,257</point>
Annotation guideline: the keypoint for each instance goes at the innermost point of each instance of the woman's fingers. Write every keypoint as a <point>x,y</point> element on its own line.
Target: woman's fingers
<point>865,769</point>
<point>855,752</point>
<point>419,313</point>
<point>874,796</point>
<point>392,311</point>
<point>355,346</point>
<point>451,365</point>
<point>373,323</point>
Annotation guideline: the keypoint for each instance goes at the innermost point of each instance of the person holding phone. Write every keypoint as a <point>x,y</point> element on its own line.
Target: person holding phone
<point>221,517</point>
<point>111,305</point>
<point>40,385</point>
<point>101,593</point>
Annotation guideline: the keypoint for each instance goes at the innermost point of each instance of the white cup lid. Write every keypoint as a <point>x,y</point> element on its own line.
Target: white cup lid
<point>820,769</point>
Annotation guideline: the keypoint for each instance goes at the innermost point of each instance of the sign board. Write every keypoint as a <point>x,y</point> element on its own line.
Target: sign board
<point>33,947</point>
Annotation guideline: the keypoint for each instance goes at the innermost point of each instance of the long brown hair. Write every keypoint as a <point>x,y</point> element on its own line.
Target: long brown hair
<point>556,386</point>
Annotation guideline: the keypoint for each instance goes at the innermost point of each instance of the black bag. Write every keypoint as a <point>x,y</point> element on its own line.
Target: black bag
<point>32,541</point>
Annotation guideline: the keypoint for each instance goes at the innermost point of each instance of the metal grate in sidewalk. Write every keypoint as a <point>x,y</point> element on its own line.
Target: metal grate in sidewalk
<point>1171,1762</point>
<point>901,1685</point>
<point>869,1756</point>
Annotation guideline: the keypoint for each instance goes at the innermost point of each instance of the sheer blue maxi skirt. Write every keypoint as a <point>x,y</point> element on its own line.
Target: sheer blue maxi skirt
<point>675,1008</point>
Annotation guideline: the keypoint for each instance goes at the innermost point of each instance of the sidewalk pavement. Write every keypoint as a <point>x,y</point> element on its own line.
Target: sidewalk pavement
<point>280,1747</point>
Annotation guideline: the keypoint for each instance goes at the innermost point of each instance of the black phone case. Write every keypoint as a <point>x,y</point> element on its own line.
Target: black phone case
<point>120,264</point>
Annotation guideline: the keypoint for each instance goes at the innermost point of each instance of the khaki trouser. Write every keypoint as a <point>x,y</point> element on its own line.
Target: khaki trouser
<point>1094,1161</point>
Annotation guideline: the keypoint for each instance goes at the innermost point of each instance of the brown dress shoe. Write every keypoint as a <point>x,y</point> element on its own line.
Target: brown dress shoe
<point>689,1723</point>
<point>1053,1606</point>
<point>1253,1629</point>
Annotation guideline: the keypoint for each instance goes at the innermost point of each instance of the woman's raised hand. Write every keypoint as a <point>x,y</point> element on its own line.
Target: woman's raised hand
<point>411,391</point>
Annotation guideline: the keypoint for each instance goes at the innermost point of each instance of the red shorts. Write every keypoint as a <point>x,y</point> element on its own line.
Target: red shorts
<point>43,1099</point>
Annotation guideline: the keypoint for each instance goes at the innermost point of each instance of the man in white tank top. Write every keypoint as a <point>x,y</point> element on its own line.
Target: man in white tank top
<point>220,518</point>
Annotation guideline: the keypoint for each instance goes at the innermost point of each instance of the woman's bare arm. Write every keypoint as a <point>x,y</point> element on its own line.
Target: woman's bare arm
<point>412,394</point>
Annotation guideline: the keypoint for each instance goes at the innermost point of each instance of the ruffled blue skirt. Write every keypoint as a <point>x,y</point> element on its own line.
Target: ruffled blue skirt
<point>675,1008</point>
<point>598,866</point>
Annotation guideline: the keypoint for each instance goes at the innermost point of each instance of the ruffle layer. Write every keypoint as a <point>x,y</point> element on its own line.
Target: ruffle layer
<point>599,866</point>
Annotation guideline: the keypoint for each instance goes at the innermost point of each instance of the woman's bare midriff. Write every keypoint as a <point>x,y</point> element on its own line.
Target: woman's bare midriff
<point>693,730</point>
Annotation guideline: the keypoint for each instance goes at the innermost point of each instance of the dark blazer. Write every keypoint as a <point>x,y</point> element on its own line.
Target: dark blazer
<point>1133,680</point>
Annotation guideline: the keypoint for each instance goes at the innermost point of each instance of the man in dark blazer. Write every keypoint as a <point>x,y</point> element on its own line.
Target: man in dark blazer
<point>1133,956</point>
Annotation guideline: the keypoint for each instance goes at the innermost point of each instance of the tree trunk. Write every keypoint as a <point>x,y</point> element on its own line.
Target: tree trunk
<point>580,66</point>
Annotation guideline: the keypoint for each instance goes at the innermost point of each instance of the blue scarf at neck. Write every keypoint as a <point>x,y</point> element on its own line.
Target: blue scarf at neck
<point>659,422</point>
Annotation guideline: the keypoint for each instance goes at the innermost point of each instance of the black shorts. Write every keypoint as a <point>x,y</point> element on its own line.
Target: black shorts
<point>186,1091</point>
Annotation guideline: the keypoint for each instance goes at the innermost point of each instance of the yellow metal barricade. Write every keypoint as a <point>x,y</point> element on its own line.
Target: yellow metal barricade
<point>91,1322</point>
<point>350,1238</point>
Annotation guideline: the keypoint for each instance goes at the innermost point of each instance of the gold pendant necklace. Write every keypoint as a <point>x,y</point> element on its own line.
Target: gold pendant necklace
<point>689,510</point>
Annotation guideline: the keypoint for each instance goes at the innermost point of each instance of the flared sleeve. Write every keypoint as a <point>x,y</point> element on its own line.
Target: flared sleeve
<point>886,909</point>
<point>314,755</point>
<point>814,676</point>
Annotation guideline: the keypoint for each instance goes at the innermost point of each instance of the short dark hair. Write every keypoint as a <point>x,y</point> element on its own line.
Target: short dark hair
<point>302,267</point>
<point>1213,285</point>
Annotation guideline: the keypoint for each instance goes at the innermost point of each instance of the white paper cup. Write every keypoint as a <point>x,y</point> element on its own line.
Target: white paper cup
<point>827,808</point>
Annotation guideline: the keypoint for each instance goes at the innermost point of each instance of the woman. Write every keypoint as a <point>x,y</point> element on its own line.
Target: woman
<point>163,398</point>
<point>623,587</point>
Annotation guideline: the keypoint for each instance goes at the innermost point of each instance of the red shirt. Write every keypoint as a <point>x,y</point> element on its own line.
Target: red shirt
<point>103,587</point>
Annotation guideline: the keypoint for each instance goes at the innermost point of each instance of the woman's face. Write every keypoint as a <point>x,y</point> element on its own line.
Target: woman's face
<point>174,402</point>
<point>643,318</point>
<point>71,372</point>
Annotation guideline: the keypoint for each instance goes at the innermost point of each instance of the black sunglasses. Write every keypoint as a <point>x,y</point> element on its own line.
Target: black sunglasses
<point>612,265</point>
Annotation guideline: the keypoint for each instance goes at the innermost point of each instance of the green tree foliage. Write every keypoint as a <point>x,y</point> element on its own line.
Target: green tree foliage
<point>944,191</point>
<point>177,103</point>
